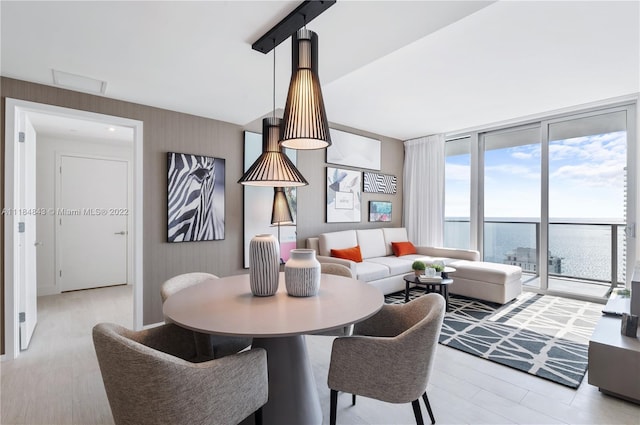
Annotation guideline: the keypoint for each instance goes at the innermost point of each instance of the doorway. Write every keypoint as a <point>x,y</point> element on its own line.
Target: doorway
<point>91,222</point>
<point>15,111</point>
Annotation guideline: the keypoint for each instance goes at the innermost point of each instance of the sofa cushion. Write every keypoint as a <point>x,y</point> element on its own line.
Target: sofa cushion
<point>495,273</point>
<point>395,265</point>
<point>371,243</point>
<point>393,234</point>
<point>352,254</point>
<point>453,253</point>
<point>369,271</point>
<point>337,240</point>
<point>314,243</point>
<point>403,248</point>
<point>427,259</point>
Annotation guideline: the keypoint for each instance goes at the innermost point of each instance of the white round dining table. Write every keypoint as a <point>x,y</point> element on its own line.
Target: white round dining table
<point>278,323</point>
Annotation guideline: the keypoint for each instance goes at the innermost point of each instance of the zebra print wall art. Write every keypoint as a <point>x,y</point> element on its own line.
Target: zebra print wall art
<point>379,183</point>
<point>195,198</point>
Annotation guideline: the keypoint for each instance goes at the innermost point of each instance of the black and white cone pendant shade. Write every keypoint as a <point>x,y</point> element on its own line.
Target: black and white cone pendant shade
<point>305,124</point>
<point>273,167</point>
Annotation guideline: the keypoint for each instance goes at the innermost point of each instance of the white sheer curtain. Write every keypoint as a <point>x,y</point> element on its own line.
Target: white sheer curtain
<point>423,190</point>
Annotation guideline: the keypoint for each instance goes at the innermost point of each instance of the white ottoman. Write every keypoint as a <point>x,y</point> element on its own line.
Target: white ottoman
<point>495,282</point>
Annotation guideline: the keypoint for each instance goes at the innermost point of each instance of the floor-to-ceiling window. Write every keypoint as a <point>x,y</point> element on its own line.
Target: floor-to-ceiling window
<point>554,196</point>
<point>457,189</point>
<point>512,196</point>
<point>587,201</point>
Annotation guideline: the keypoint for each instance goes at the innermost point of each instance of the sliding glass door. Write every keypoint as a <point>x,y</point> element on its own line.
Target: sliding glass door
<point>588,158</point>
<point>512,197</point>
<point>555,197</point>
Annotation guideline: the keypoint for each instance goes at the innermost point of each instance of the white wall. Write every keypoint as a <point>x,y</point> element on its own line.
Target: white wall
<point>48,148</point>
<point>637,204</point>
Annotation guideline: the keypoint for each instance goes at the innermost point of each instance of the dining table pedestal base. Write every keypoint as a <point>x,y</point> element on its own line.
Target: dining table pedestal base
<point>293,396</point>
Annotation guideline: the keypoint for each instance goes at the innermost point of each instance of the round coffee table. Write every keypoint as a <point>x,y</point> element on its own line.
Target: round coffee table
<point>441,286</point>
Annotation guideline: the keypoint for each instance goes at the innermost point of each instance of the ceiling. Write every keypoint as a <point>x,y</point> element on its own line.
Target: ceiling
<point>394,68</point>
<point>78,129</point>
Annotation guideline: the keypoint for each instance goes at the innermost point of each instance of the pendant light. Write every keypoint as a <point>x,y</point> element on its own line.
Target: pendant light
<point>305,123</point>
<point>273,167</point>
<point>280,212</point>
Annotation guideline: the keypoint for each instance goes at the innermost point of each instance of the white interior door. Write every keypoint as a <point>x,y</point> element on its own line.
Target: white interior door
<point>92,223</point>
<point>27,261</point>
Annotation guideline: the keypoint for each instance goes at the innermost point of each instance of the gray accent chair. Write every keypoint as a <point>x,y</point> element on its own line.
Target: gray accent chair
<point>149,378</point>
<point>208,346</point>
<point>390,356</point>
<point>338,270</point>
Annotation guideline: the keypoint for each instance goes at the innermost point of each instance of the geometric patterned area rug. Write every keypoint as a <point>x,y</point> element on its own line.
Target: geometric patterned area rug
<point>542,335</point>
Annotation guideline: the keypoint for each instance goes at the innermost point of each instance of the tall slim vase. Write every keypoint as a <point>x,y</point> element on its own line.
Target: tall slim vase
<point>264,265</point>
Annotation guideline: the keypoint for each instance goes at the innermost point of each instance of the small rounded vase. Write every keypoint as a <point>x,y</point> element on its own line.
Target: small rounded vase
<point>302,273</point>
<point>264,265</point>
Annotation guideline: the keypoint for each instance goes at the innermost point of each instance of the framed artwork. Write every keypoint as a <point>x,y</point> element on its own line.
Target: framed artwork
<point>343,195</point>
<point>258,202</point>
<point>353,150</point>
<point>380,211</point>
<point>379,183</point>
<point>195,198</point>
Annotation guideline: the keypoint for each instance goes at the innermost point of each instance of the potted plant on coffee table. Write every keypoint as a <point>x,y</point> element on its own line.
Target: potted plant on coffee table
<point>418,267</point>
<point>438,266</point>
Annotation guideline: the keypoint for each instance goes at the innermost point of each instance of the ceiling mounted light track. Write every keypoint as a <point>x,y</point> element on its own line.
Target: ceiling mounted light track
<point>302,15</point>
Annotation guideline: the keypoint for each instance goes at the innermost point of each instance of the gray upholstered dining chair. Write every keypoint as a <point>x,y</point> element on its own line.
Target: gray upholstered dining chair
<point>338,270</point>
<point>208,346</point>
<point>390,356</point>
<point>149,378</point>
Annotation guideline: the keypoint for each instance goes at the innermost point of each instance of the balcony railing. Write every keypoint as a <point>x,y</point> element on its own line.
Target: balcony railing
<point>593,252</point>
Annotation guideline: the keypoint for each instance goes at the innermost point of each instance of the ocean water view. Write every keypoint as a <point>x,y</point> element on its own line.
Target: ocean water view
<point>581,250</point>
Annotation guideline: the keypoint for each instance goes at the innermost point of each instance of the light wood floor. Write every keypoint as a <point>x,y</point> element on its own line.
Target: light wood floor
<point>57,381</point>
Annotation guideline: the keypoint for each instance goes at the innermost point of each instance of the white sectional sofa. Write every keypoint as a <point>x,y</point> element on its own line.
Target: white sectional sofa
<point>380,267</point>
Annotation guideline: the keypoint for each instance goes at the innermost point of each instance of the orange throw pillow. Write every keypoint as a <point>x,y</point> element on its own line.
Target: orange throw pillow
<point>352,254</point>
<point>403,248</point>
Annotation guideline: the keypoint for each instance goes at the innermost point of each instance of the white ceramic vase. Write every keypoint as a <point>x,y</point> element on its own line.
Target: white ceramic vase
<point>264,265</point>
<point>302,273</point>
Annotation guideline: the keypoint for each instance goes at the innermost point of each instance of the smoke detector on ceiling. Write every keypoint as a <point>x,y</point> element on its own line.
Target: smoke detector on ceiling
<point>79,82</point>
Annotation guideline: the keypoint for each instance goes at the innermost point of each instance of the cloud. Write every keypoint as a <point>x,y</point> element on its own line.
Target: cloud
<point>595,148</point>
<point>522,155</point>
<point>457,172</point>
<point>606,174</point>
<point>511,170</point>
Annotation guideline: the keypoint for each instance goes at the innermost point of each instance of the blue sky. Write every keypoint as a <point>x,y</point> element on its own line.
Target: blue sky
<point>586,179</point>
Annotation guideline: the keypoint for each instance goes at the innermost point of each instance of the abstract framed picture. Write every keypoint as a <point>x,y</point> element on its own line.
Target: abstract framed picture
<point>380,211</point>
<point>343,195</point>
<point>195,198</point>
<point>379,183</point>
<point>353,150</point>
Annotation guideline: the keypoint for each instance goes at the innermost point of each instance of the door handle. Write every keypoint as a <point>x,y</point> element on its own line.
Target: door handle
<point>120,233</point>
<point>38,244</point>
